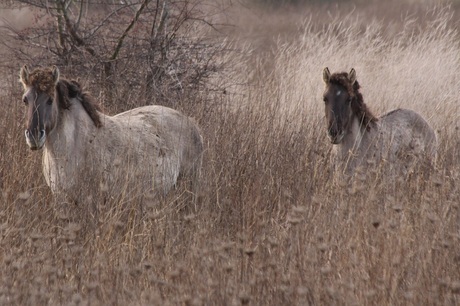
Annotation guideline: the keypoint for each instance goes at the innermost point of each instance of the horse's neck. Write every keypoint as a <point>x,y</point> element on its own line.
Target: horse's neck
<point>352,140</point>
<point>73,128</point>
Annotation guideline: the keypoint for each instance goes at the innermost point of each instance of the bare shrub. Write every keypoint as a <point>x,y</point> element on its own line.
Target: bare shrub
<point>135,52</point>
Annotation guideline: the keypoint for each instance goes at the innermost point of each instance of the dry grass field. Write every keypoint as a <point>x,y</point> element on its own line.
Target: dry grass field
<point>271,225</point>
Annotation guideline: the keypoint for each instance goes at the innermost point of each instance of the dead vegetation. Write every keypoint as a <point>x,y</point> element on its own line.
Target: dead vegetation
<point>272,226</point>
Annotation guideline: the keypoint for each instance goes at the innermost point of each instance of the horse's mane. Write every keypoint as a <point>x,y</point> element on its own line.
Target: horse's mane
<point>44,80</point>
<point>358,106</point>
<point>66,90</point>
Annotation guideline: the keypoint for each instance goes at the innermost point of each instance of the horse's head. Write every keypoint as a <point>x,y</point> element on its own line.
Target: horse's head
<point>39,86</point>
<point>338,98</point>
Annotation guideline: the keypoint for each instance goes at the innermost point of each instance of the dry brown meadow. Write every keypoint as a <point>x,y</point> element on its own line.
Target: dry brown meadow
<point>271,225</point>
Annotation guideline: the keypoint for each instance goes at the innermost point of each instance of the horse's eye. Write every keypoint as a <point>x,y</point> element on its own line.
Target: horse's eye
<point>24,99</point>
<point>50,101</point>
<point>325,99</point>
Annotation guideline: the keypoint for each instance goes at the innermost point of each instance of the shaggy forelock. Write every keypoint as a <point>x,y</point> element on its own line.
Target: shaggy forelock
<point>42,80</point>
<point>343,80</point>
<point>359,107</point>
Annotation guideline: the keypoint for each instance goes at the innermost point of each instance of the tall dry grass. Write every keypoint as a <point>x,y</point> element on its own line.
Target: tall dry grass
<point>271,227</point>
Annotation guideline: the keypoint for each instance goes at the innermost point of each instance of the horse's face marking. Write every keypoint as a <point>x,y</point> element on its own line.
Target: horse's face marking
<point>38,98</point>
<point>40,119</point>
<point>338,112</point>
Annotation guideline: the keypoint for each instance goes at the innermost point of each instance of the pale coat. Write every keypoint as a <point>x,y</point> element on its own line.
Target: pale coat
<point>396,143</point>
<point>399,139</point>
<point>139,152</point>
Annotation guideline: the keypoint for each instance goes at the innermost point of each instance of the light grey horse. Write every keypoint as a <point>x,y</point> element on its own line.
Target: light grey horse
<point>401,138</point>
<point>86,151</point>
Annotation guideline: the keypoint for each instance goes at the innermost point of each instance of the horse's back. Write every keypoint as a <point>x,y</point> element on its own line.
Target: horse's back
<point>168,132</point>
<point>411,131</point>
<point>152,114</point>
<point>163,121</point>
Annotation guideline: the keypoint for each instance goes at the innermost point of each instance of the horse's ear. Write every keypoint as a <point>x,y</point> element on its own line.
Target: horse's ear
<point>352,76</point>
<point>55,73</point>
<point>326,75</point>
<point>24,75</point>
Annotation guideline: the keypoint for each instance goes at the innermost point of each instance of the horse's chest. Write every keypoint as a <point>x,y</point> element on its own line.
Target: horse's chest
<point>61,172</point>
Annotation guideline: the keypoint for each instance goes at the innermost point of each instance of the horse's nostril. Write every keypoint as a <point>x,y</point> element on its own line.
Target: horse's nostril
<point>42,133</point>
<point>333,133</point>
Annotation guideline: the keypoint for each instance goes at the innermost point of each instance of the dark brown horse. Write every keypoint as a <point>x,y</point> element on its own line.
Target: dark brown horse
<point>400,136</point>
<point>85,149</point>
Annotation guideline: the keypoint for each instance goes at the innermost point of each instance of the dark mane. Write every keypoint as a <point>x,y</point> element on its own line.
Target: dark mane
<point>66,90</point>
<point>358,106</point>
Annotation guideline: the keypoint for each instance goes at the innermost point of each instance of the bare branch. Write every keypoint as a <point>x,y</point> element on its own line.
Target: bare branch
<point>71,30</point>
<point>130,26</point>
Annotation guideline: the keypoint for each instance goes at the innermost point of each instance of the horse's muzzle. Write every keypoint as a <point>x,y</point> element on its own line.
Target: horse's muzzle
<point>35,141</point>
<point>335,137</point>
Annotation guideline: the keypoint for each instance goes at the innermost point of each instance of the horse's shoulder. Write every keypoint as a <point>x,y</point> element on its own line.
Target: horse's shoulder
<point>401,121</point>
